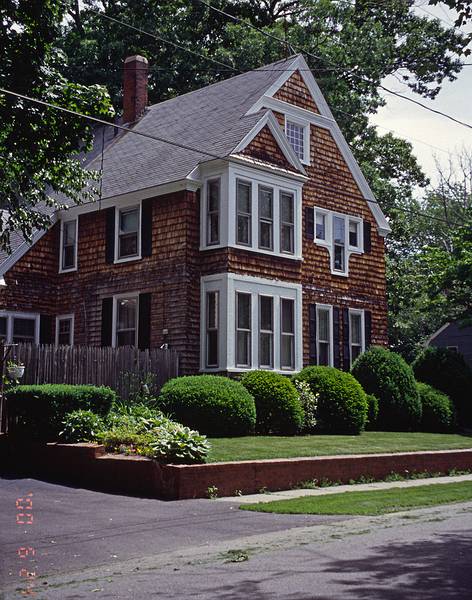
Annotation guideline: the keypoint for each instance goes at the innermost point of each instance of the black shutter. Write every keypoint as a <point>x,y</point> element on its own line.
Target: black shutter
<point>146,227</point>
<point>367,328</point>
<point>310,222</point>
<point>336,348</point>
<point>346,340</point>
<point>312,332</point>
<point>110,235</point>
<point>367,237</point>
<point>45,329</point>
<point>144,321</point>
<point>107,321</point>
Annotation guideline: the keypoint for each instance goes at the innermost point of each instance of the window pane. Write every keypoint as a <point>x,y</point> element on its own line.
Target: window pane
<point>320,226</point>
<point>243,329</point>
<point>64,333</point>
<point>213,195</point>
<point>212,310</point>
<point>323,325</point>
<point>3,327</point>
<point>287,308</point>
<point>23,330</point>
<point>267,313</point>
<point>356,334</point>
<point>213,229</point>
<point>265,235</point>
<point>212,329</point>
<point>244,230</point>
<point>339,229</point>
<point>266,350</point>
<point>243,197</point>
<point>323,354</point>
<point>287,222</point>
<point>244,311</point>
<point>355,352</point>
<point>125,338</point>
<point>68,244</point>
<point>129,220</point>
<point>295,135</point>
<point>287,352</point>
<point>213,211</point>
<point>286,207</point>
<point>212,348</point>
<point>353,234</point>
<point>126,322</point>
<point>243,348</point>
<point>68,257</point>
<point>69,233</point>
<point>266,196</point>
<point>338,258</point>
<point>286,238</point>
<point>128,245</point>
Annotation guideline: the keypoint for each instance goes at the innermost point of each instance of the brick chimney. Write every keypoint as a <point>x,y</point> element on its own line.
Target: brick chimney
<point>135,88</point>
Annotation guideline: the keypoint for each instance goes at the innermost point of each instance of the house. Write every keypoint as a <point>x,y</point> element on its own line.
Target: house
<point>454,337</point>
<point>251,241</point>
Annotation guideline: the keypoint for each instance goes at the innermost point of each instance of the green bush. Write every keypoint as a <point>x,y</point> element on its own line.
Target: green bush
<point>387,376</point>
<point>214,405</point>
<point>342,405</point>
<point>438,409</point>
<point>372,411</point>
<point>39,410</point>
<point>309,402</point>
<point>138,417</point>
<point>174,443</point>
<point>278,408</point>
<point>81,426</point>
<point>446,371</point>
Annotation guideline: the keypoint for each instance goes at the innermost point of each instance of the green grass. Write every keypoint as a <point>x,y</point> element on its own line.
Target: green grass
<point>376,502</point>
<point>260,447</point>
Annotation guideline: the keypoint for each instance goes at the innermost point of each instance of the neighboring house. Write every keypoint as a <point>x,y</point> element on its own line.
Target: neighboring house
<point>271,256</point>
<point>452,336</point>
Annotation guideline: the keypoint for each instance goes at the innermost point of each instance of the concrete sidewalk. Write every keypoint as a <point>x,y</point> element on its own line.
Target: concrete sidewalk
<point>336,489</point>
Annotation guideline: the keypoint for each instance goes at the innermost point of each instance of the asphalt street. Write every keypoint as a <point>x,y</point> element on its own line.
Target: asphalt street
<point>93,545</point>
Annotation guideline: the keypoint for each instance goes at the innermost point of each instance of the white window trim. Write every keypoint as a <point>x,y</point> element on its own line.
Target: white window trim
<point>222,176</point>
<point>133,295</point>
<point>361,312</point>
<point>74,268</point>
<point>19,315</point>
<point>328,243</point>
<point>230,283</point>
<point>331,333</point>
<point>119,210</point>
<point>63,318</point>
<point>306,160</point>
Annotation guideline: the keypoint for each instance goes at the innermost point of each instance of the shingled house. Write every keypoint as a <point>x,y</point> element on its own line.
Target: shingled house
<point>255,242</point>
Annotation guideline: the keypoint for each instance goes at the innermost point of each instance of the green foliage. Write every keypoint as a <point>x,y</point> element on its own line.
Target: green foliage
<point>278,408</point>
<point>41,409</point>
<point>447,371</point>
<point>124,440</point>
<point>214,405</point>
<point>388,377</point>
<point>175,443</point>
<point>372,411</point>
<point>139,417</point>
<point>342,405</point>
<point>437,409</point>
<point>81,426</point>
<point>309,402</point>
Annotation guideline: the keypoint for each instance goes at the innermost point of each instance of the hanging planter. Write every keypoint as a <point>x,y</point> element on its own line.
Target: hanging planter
<point>15,371</point>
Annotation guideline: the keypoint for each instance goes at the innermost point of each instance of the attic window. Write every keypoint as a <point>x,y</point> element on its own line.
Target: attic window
<point>296,135</point>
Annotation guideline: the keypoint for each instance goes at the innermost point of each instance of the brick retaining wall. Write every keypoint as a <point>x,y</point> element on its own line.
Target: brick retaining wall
<point>89,466</point>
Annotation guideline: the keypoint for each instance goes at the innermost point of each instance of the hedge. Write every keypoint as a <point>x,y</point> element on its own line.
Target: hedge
<point>213,405</point>
<point>342,403</point>
<point>388,377</point>
<point>438,410</point>
<point>38,411</point>
<point>278,408</point>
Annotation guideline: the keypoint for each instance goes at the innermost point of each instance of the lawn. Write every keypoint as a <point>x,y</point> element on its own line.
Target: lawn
<point>376,502</point>
<point>260,447</point>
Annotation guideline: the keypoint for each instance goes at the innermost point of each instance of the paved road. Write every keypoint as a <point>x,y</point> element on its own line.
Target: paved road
<point>92,545</point>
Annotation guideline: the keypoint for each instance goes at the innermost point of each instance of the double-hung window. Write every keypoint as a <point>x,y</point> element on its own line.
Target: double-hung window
<point>323,335</point>
<point>128,233</point>
<point>126,321</point>
<point>320,227</point>
<point>287,333</point>
<point>212,319</point>
<point>296,137</point>
<point>339,244</point>
<point>266,218</point>
<point>213,191</point>
<point>287,222</point>
<point>68,258</point>
<point>266,332</point>
<point>356,334</point>
<point>243,210</point>
<point>65,330</point>
<point>243,329</point>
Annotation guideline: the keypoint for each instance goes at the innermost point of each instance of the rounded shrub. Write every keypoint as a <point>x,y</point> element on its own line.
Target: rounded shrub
<point>438,409</point>
<point>372,411</point>
<point>342,404</point>
<point>388,377</point>
<point>213,405</point>
<point>446,371</point>
<point>278,408</point>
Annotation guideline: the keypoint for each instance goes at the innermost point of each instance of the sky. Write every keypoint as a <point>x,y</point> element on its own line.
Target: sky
<point>422,127</point>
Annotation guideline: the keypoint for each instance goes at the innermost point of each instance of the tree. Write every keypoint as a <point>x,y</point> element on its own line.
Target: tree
<point>38,145</point>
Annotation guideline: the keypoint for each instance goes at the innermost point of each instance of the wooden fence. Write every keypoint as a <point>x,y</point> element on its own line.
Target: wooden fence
<point>123,369</point>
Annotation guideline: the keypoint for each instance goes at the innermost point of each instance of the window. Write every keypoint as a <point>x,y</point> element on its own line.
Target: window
<point>296,136</point>
<point>128,233</point>
<point>287,223</point>
<point>213,212</point>
<point>323,335</point>
<point>243,209</point>
<point>266,332</point>
<point>287,332</point>
<point>3,328</point>
<point>68,245</point>
<point>266,218</point>
<point>356,334</point>
<point>65,330</point>
<point>339,244</point>
<point>243,330</point>
<point>341,234</point>
<point>126,321</point>
<point>320,225</point>
<point>353,234</point>
<point>212,318</point>
<point>19,328</point>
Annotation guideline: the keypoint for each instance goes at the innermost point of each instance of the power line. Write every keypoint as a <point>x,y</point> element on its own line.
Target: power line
<point>183,146</point>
